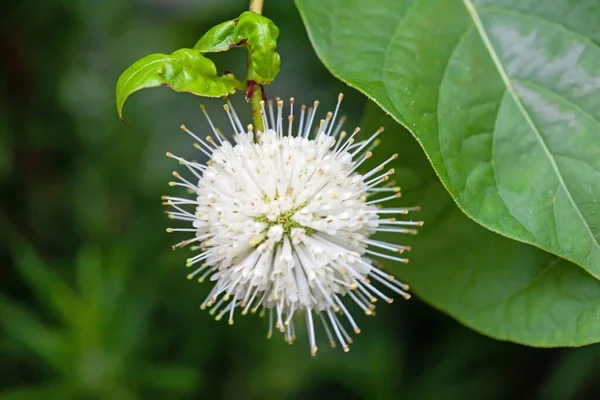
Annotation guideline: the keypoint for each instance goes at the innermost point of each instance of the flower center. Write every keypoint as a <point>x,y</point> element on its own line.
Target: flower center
<point>279,218</point>
<point>284,219</point>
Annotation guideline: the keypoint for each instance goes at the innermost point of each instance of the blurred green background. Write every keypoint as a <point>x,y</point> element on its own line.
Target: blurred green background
<point>95,305</point>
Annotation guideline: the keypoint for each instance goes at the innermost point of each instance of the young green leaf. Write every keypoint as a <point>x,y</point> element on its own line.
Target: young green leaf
<point>256,32</point>
<point>185,70</point>
<point>219,38</point>
<point>497,286</point>
<point>502,95</point>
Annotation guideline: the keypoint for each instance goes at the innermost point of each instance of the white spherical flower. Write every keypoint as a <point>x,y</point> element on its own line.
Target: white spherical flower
<point>283,222</point>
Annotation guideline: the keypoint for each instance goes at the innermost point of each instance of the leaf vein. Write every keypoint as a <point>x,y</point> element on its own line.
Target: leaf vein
<point>511,90</point>
<point>558,96</point>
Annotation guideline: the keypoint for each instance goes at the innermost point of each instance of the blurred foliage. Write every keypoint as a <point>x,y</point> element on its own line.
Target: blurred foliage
<point>95,305</point>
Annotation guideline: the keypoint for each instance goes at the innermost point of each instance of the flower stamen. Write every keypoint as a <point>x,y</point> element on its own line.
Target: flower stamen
<point>283,224</point>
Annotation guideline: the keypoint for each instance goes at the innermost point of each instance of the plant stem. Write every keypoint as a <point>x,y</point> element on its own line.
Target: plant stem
<point>256,6</point>
<point>257,92</point>
<point>255,100</point>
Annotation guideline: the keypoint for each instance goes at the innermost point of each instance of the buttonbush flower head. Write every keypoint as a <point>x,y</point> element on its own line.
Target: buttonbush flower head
<point>282,221</point>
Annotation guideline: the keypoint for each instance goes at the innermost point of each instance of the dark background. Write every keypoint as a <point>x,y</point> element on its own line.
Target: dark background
<point>95,305</point>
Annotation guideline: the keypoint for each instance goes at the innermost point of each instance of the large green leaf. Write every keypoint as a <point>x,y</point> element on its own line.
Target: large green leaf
<point>500,287</point>
<point>501,94</point>
<point>184,70</point>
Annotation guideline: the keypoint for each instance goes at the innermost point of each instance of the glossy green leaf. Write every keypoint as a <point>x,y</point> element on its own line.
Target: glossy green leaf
<point>500,287</point>
<point>501,94</point>
<point>185,70</point>
<point>219,38</point>
<point>256,32</point>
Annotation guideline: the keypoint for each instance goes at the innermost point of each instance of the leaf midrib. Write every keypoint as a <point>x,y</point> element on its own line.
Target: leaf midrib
<point>511,90</point>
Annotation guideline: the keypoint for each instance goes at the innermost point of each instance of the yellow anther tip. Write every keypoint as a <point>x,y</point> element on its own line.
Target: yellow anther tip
<point>313,351</point>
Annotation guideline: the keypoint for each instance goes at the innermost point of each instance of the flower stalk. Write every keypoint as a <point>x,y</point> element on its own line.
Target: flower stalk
<point>255,91</point>
<point>256,6</point>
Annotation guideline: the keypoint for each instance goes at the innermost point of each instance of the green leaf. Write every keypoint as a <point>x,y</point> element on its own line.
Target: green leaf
<point>185,70</point>
<point>256,32</point>
<point>500,287</point>
<point>219,38</point>
<point>501,94</point>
